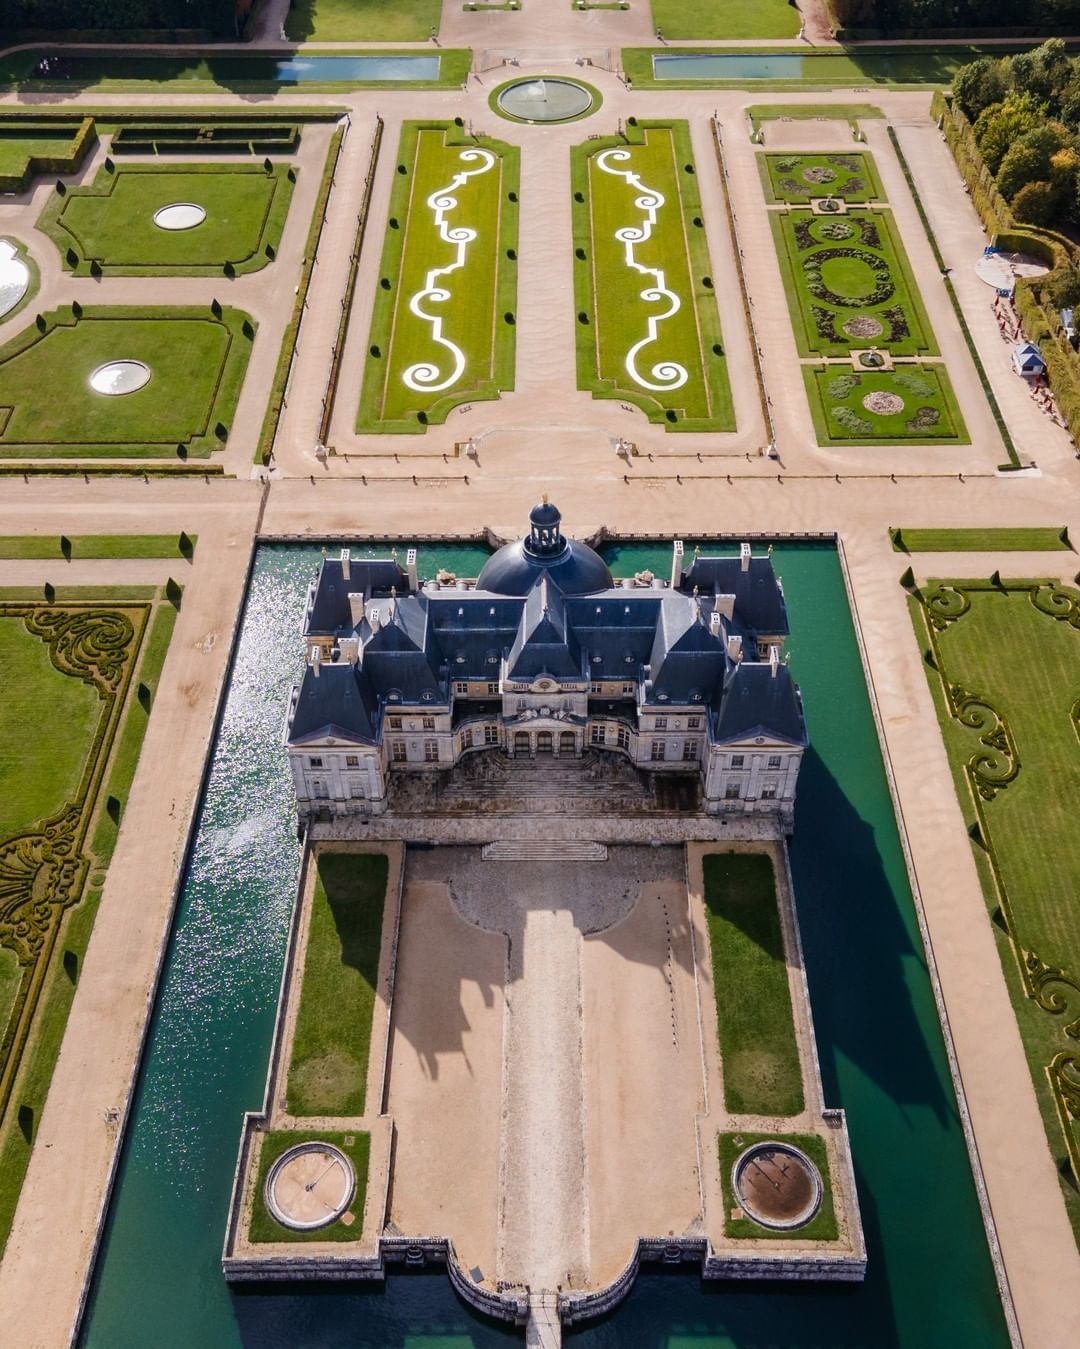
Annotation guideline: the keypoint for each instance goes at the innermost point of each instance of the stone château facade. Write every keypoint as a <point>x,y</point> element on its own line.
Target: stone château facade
<point>546,655</point>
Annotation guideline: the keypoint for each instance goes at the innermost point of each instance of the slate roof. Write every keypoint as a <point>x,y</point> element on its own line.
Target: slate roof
<point>339,701</point>
<point>576,570</point>
<point>329,612</point>
<point>545,643</point>
<point>687,661</point>
<point>759,601</point>
<point>758,702</point>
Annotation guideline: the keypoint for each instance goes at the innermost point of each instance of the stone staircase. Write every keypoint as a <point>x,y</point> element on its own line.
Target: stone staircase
<point>544,850</point>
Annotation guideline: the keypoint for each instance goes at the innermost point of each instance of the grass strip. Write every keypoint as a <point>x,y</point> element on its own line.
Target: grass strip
<point>362,20</point>
<point>84,547</point>
<point>265,446</point>
<point>930,414</point>
<point>1020,540</point>
<point>609,294</point>
<point>733,20</point>
<point>852,113</point>
<point>987,388</point>
<point>332,1041</point>
<point>478,316</point>
<point>759,1051</point>
<point>356,1146</point>
<point>822,1227</point>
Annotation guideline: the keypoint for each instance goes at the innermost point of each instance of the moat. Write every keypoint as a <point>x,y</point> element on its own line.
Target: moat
<point>881,1053</point>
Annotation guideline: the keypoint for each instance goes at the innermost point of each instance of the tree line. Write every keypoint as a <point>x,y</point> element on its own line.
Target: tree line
<point>954,13</point>
<point>215,16</point>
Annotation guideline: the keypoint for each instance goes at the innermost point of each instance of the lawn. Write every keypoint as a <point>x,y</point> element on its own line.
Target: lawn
<point>329,1065</point>
<point>852,113</point>
<point>720,19</point>
<point>648,328</point>
<point>197,359</point>
<point>120,647</point>
<point>823,1225</point>
<point>1051,539</point>
<point>16,151</point>
<point>82,547</point>
<point>442,330</point>
<point>849,284</point>
<point>759,1052</point>
<point>362,20</point>
<point>912,404</point>
<point>108,225</point>
<point>1003,658</point>
<point>356,1146</point>
<point>796,178</point>
<point>29,148</point>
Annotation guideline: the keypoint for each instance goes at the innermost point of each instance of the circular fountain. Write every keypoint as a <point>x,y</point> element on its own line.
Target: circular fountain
<point>179,215</point>
<point>120,377</point>
<point>544,98</point>
<point>777,1185</point>
<point>14,277</point>
<point>309,1186</point>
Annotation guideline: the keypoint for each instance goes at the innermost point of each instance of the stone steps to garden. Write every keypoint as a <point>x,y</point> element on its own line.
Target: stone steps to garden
<point>544,850</point>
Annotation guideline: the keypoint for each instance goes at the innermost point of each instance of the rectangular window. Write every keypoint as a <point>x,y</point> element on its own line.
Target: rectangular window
<point>493,690</point>
<point>429,723</point>
<point>731,792</point>
<point>774,760</point>
<point>397,751</point>
<point>595,686</point>
<point>352,760</point>
<point>768,791</point>
<point>659,750</point>
<point>661,723</point>
<point>319,790</point>
<point>690,750</point>
<point>597,735</point>
<point>466,738</point>
<point>431,751</point>
<point>461,687</point>
<point>395,723</point>
<point>693,723</point>
<point>623,738</point>
<point>356,788</point>
<point>629,689</point>
<point>314,763</point>
<point>491,735</point>
<point>737,760</point>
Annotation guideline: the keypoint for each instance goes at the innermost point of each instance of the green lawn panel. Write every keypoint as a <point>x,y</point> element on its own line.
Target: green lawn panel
<point>356,1146</point>
<point>1052,539</point>
<point>40,768</point>
<point>83,547</point>
<point>796,178</point>
<point>110,221</point>
<point>198,360</point>
<point>331,1045</point>
<point>618,300</point>
<point>758,1049</point>
<point>720,19</point>
<point>823,1225</point>
<point>476,317</point>
<point>929,415</point>
<point>362,20</point>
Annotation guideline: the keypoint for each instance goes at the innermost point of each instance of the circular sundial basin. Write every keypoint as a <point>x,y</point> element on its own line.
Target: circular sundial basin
<point>310,1186</point>
<point>545,100</point>
<point>14,277</point>
<point>181,215</point>
<point>777,1185</point>
<point>118,377</point>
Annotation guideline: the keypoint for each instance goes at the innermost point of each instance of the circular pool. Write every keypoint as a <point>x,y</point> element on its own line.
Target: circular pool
<point>14,277</point>
<point>179,215</point>
<point>118,377</point>
<point>777,1185</point>
<point>310,1186</point>
<point>543,99</point>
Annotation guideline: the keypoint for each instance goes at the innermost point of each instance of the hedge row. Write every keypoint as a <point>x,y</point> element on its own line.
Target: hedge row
<point>205,137</point>
<point>84,136</point>
<point>292,332</point>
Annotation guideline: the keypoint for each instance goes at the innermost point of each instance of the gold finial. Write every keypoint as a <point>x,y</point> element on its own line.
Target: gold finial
<point>543,498</point>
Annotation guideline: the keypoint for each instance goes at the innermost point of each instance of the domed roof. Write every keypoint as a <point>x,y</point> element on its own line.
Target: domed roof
<point>572,566</point>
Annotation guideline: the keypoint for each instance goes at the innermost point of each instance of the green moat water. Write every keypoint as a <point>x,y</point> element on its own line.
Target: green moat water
<point>930,1282</point>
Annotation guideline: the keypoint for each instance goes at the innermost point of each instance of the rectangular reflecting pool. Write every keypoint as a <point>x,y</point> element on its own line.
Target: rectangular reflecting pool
<point>927,66</point>
<point>224,70</point>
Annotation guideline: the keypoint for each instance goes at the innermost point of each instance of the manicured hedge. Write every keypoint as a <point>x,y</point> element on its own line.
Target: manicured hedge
<point>84,134</point>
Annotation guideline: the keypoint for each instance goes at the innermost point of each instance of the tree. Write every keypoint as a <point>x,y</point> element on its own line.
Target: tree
<point>1035,203</point>
<point>1064,287</point>
<point>1029,158</point>
<point>979,84</point>
<point>1002,123</point>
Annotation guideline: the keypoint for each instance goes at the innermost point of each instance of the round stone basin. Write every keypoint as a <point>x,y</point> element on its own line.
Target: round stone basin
<point>118,377</point>
<point>309,1186</point>
<point>777,1185</point>
<point>14,277</point>
<point>180,215</point>
<point>544,100</point>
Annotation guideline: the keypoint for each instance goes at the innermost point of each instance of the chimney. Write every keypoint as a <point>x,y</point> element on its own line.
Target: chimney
<point>373,619</point>
<point>676,563</point>
<point>774,660</point>
<point>410,568</point>
<point>345,564</point>
<point>316,660</point>
<point>744,556</point>
<point>356,608</point>
<point>734,647</point>
<point>714,623</point>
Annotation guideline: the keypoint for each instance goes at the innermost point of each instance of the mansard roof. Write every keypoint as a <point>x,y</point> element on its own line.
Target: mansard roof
<point>759,700</point>
<point>544,643</point>
<point>759,601</point>
<point>329,612</point>
<point>339,703</point>
<point>687,660</point>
